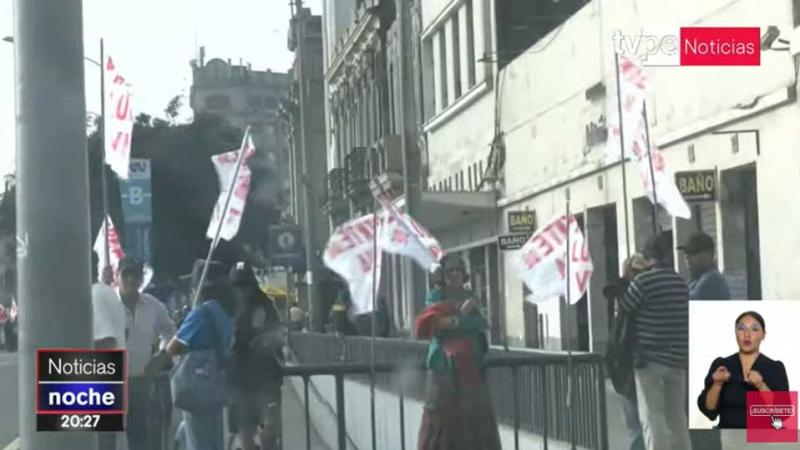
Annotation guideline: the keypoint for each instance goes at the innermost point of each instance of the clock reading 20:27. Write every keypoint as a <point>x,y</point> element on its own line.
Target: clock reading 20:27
<point>80,390</point>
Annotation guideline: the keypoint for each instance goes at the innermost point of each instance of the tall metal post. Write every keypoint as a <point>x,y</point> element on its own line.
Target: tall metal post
<point>53,199</point>
<point>106,221</point>
<point>409,150</point>
<point>309,227</point>
<point>622,159</point>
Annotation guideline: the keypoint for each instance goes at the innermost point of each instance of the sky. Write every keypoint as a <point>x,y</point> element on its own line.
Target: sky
<point>152,42</point>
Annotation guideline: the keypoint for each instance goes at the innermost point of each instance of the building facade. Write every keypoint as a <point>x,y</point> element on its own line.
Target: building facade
<point>303,113</point>
<point>243,97</point>
<point>531,127</point>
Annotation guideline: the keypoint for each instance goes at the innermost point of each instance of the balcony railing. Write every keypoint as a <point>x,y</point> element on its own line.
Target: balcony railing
<point>333,197</point>
<point>358,173</point>
<point>529,388</point>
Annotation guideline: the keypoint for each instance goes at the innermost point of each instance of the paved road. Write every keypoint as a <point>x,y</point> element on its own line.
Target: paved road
<point>9,420</point>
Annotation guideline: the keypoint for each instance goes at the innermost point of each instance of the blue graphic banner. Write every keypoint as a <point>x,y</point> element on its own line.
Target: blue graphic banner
<point>137,193</point>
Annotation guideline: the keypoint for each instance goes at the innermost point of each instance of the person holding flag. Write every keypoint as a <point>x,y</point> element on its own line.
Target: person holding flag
<point>458,412</point>
<point>659,299</point>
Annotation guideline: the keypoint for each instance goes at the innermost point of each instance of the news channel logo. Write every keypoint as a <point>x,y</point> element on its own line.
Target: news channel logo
<point>80,390</point>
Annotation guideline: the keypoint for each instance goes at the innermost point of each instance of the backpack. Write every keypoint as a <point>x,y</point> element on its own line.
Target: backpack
<point>619,359</point>
<point>199,381</point>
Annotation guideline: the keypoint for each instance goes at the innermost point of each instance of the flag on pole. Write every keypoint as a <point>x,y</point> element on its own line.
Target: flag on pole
<point>118,120</point>
<point>401,234</point>
<point>542,261</point>
<point>633,86</point>
<point>115,248</point>
<point>225,165</point>
<point>351,254</point>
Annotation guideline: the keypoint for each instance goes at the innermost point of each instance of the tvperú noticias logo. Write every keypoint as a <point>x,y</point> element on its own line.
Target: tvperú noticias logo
<point>692,46</point>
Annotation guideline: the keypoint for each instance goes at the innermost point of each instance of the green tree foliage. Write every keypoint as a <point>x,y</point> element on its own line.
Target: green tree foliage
<point>185,190</point>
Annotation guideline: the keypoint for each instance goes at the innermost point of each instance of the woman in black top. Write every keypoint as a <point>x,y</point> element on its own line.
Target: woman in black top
<point>729,379</point>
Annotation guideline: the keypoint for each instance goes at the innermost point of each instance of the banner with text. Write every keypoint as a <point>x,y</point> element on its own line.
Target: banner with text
<point>543,267</point>
<point>650,162</point>
<point>115,248</point>
<point>118,120</point>
<point>351,254</point>
<point>225,164</point>
<point>400,234</point>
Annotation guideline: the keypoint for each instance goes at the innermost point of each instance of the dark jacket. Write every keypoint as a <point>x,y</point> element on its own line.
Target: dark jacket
<point>732,406</point>
<point>710,285</point>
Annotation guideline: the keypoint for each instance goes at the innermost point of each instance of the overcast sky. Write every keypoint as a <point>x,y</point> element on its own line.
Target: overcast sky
<point>152,41</point>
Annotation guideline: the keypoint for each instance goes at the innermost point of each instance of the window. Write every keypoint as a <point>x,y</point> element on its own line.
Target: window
<point>218,102</point>
<point>450,52</point>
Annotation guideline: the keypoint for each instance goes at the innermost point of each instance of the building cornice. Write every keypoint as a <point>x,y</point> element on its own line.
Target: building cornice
<point>352,61</point>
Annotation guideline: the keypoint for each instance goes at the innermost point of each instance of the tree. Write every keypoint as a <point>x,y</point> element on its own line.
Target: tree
<point>173,108</point>
<point>185,190</point>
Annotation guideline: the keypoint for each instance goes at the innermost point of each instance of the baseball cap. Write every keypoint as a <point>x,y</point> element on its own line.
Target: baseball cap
<point>216,275</point>
<point>131,266</point>
<point>697,243</point>
<point>659,246</point>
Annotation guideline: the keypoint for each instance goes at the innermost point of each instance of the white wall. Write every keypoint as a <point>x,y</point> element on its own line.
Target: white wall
<point>544,111</point>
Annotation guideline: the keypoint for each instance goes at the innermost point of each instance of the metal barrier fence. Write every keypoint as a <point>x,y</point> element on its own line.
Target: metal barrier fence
<point>530,388</point>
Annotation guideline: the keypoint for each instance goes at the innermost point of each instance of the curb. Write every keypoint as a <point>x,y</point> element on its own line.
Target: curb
<point>13,445</point>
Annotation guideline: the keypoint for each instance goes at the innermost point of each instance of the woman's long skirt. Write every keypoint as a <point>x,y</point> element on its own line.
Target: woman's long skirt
<point>457,418</point>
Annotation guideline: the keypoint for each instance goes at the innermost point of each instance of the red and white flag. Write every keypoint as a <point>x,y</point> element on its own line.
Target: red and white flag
<point>633,86</point>
<point>543,261</point>
<point>3,315</point>
<point>401,234</point>
<point>350,253</point>
<point>115,248</point>
<point>226,166</point>
<point>118,120</point>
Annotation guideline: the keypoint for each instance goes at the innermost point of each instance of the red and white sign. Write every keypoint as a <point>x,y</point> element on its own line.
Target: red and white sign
<point>118,120</point>
<point>225,165</point>
<point>771,416</point>
<point>115,253</point>
<point>351,254</point>
<point>633,82</point>
<point>543,261</point>
<point>401,234</point>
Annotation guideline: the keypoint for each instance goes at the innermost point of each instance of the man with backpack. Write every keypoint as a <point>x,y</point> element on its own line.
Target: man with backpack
<point>256,376</point>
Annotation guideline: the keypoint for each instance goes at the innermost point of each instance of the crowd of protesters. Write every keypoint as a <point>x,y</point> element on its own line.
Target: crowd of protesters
<point>233,320</point>
<point>649,354</point>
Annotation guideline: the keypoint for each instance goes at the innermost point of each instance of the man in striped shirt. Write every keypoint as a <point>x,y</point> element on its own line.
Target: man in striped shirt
<point>659,301</point>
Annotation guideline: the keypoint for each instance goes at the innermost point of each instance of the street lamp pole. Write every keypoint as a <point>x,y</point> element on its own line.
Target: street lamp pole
<point>53,200</point>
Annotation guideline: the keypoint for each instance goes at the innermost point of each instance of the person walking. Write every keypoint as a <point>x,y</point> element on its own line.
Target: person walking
<point>458,412</point>
<point>209,326</point>
<point>706,282</point>
<point>659,298</point>
<point>147,325</point>
<point>622,352</point>
<point>108,315</point>
<point>256,366</point>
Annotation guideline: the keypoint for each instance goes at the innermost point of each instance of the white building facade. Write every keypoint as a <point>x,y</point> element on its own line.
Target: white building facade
<point>545,111</point>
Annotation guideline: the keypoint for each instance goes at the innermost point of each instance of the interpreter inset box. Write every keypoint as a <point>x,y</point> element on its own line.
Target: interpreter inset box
<point>80,390</point>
